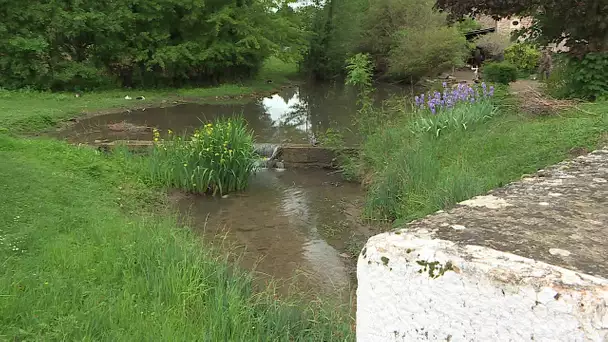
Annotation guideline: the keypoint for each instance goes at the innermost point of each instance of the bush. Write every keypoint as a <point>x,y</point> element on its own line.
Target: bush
<point>218,158</point>
<point>500,72</point>
<point>590,76</point>
<point>524,56</point>
<point>584,78</point>
<point>453,110</point>
<point>560,82</point>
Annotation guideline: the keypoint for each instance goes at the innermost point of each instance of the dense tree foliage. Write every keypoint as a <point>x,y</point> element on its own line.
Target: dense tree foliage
<point>61,44</point>
<point>335,27</point>
<point>409,39</point>
<point>406,39</point>
<point>583,23</point>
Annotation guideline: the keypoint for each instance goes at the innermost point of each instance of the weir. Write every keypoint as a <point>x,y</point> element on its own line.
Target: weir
<point>291,155</point>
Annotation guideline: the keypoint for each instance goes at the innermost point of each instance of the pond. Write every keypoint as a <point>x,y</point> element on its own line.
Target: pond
<point>292,115</point>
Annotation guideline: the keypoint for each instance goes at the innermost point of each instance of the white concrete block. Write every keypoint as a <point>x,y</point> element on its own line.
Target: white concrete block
<point>413,287</point>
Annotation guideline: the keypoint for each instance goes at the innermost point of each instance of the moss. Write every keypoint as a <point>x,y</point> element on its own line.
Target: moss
<point>435,269</point>
<point>385,260</point>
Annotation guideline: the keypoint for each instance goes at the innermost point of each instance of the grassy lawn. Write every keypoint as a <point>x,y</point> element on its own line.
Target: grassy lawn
<point>415,176</point>
<point>83,258</point>
<point>32,111</point>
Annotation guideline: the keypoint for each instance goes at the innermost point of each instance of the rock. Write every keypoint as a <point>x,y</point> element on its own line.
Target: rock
<point>346,255</point>
<point>280,165</point>
<point>444,76</point>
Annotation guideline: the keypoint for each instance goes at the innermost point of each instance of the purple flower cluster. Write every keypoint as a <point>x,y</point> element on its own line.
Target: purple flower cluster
<point>447,99</point>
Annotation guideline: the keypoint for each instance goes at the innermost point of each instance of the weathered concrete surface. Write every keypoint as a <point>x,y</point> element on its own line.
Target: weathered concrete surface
<point>305,156</point>
<point>525,262</point>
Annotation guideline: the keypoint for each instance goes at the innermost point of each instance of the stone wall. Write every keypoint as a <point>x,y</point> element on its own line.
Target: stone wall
<point>527,262</point>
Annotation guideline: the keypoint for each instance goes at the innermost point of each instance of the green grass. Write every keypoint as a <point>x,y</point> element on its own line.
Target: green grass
<point>415,175</point>
<point>33,111</point>
<point>83,258</point>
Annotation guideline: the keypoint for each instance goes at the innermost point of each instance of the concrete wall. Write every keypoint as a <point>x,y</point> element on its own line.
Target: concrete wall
<point>527,262</point>
<point>473,294</point>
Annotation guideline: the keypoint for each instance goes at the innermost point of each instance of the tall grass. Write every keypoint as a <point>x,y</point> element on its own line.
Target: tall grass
<point>412,175</point>
<point>217,158</point>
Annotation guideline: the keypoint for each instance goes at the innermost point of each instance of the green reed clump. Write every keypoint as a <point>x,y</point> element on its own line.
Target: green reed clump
<point>217,158</point>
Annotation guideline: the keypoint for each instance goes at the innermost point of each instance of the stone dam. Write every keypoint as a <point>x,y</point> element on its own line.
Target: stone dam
<point>526,262</point>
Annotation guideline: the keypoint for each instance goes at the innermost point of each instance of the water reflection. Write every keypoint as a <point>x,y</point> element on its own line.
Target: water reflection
<point>291,115</point>
<point>277,223</point>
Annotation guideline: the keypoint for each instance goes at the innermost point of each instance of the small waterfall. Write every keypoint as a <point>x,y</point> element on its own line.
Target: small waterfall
<point>265,150</point>
<point>269,154</point>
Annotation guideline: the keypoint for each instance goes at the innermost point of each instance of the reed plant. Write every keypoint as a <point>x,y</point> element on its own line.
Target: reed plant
<point>217,158</point>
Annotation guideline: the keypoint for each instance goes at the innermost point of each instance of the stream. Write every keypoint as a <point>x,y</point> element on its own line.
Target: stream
<point>299,227</point>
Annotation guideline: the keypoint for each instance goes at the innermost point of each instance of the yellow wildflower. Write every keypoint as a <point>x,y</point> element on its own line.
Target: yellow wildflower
<point>185,164</point>
<point>170,132</point>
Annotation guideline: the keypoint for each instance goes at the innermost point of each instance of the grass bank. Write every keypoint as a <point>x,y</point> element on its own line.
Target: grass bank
<point>33,111</point>
<point>83,259</point>
<point>412,175</point>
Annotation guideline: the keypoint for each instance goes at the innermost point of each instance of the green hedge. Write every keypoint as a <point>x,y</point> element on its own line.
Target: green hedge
<point>500,72</point>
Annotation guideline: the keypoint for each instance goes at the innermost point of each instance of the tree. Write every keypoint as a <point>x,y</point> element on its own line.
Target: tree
<point>408,39</point>
<point>63,44</point>
<point>583,24</point>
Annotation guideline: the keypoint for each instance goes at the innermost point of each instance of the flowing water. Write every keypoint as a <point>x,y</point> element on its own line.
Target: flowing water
<point>301,227</point>
<point>294,226</point>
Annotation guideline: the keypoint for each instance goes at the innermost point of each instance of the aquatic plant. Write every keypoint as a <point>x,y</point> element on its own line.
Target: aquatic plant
<point>456,108</point>
<point>217,158</point>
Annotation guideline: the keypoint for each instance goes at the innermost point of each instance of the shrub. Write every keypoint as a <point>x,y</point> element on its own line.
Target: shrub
<point>560,82</point>
<point>524,56</point>
<point>584,78</point>
<point>500,72</point>
<point>590,76</point>
<point>456,109</point>
<point>218,158</point>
